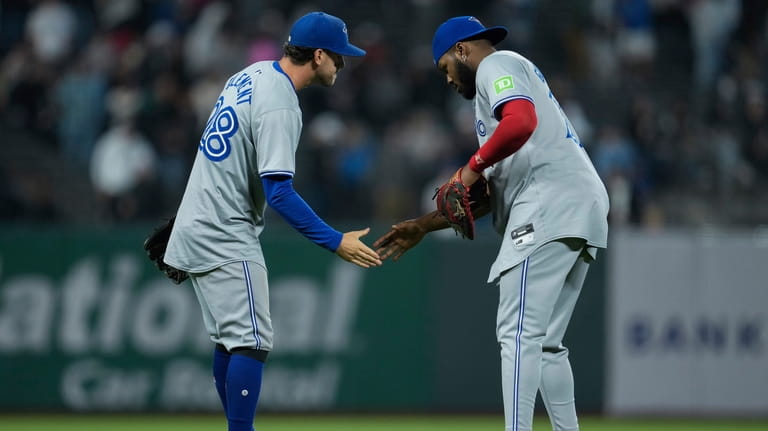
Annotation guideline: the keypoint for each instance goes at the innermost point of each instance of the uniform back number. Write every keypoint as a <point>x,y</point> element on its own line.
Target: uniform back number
<point>221,126</point>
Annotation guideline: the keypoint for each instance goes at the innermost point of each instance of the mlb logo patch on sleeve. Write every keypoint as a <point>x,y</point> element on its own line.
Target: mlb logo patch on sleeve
<point>503,83</point>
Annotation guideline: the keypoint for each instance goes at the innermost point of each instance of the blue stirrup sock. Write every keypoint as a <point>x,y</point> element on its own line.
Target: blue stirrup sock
<point>243,384</point>
<point>220,364</point>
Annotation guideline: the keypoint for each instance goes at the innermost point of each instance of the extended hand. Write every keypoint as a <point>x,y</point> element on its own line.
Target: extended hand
<point>401,238</point>
<point>353,250</point>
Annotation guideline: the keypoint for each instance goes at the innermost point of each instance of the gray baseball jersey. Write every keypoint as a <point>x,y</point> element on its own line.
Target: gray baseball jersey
<point>548,189</point>
<point>253,130</point>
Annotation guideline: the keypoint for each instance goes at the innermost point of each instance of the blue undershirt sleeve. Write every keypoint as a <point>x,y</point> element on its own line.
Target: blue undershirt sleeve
<point>282,197</point>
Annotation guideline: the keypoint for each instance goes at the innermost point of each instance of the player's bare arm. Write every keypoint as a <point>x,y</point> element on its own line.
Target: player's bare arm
<point>405,235</point>
<point>468,176</point>
<point>352,249</point>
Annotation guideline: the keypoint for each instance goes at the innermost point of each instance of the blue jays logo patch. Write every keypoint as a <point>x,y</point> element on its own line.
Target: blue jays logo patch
<point>480,127</point>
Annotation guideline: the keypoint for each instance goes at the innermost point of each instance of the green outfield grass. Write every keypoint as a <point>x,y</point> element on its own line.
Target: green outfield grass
<point>351,423</point>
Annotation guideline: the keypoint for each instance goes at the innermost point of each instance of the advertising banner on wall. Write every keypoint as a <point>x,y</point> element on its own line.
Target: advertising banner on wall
<point>688,324</point>
<point>88,324</point>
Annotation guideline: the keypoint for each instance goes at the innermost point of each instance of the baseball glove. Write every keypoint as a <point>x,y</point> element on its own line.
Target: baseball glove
<point>461,205</point>
<point>155,245</point>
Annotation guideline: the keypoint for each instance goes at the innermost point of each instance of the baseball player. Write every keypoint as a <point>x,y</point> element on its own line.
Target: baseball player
<point>547,201</point>
<point>246,160</point>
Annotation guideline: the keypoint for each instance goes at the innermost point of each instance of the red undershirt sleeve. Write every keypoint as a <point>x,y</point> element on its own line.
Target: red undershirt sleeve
<point>518,121</point>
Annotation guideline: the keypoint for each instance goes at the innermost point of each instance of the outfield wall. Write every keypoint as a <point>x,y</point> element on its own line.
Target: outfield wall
<point>688,323</point>
<point>88,324</point>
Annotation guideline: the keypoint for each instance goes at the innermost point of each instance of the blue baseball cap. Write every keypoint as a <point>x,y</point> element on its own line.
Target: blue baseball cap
<point>320,30</point>
<point>463,28</point>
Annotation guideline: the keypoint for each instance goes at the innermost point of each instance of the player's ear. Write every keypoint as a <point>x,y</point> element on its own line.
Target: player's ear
<point>462,50</point>
<point>317,57</point>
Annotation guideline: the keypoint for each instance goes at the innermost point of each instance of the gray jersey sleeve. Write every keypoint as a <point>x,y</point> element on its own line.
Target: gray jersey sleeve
<point>276,135</point>
<point>502,81</point>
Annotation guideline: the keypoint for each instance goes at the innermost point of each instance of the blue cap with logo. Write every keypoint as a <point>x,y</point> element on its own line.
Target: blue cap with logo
<point>463,28</point>
<point>320,30</point>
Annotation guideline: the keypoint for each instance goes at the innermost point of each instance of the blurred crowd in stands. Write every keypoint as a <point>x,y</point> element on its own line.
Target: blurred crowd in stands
<point>102,103</point>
